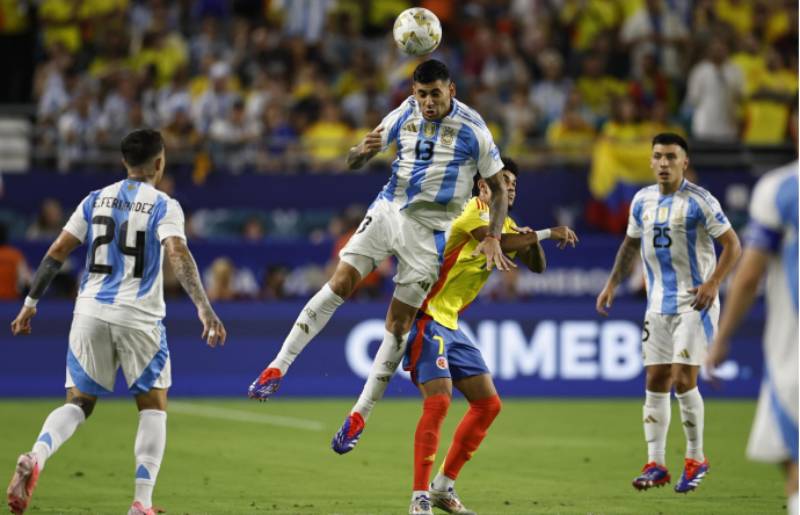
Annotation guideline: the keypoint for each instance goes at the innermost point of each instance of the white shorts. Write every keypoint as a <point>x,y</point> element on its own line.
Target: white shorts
<point>681,338</point>
<point>386,231</point>
<point>773,438</point>
<point>98,349</point>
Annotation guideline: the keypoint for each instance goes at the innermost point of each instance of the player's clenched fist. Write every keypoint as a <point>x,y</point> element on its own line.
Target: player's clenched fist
<point>371,143</point>
<point>22,324</point>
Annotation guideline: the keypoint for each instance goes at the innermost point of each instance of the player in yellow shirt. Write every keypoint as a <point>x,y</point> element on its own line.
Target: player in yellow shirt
<point>440,356</point>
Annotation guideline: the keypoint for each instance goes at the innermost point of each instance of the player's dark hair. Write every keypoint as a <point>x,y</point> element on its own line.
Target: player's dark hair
<point>508,164</point>
<point>670,138</point>
<point>140,146</point>
<point>431,71</point>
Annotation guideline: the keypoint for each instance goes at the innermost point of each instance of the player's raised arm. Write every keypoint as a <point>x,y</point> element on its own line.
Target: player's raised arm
<point>623,264</point>
<point>731,251</point>
<point>48,269</point>
<point>527,243</point>
<point>498,209</point>
<point>185,269</point>
<point>366,150</point>
<point>533,255</point>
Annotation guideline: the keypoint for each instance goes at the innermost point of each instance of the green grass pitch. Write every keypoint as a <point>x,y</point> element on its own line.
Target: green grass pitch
<point>237,457</point>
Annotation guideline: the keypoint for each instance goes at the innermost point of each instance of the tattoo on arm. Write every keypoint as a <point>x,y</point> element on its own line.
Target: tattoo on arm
<point>356,160</point>
<point>498,209</point>
<point>623,264</point>
<point>185,270</point>
<point>47,270</point>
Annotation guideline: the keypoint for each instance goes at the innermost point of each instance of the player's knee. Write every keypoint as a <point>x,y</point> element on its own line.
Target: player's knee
<point>342,285</point>
<point>438,401</point>
<point>399,327</point>
<point>84,403</point>
<point>683,383</point>
<point>659,379</point>
<point>349,273</point>
<point>495,406</point>
<point>490,406</point>
<point>658,383</point>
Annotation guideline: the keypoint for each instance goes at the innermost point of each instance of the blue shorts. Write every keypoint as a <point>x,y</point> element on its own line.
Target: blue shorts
<point>436,352</point>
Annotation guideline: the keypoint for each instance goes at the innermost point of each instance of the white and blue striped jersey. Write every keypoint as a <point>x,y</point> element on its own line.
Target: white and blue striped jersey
<point>432,174</point>
<point>677,232</point>
<point>123,226</point>
<point>773,229</point>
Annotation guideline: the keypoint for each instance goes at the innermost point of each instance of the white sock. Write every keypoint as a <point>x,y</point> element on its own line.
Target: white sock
<point>692,416</point>
<point>791,504</point>
<point>417,493</point>
<point>59,426</point>
<point>389,356</point>
<point>309,323</point>
<point>443,483</point>
<point>656,425</point>
<point>151,438</point>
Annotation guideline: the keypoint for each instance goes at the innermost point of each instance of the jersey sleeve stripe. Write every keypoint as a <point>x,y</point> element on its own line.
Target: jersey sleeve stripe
<point>472,116</point>
<point>704,195</point>
<point>762,237</point>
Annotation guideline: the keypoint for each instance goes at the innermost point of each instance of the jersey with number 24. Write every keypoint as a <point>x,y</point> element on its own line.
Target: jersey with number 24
<point>123,226</point>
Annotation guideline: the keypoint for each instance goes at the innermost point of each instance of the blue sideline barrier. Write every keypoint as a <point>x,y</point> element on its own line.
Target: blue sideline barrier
<point>538,348</point>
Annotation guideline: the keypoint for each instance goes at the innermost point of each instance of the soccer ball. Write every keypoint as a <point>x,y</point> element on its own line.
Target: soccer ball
<point>417,31</point>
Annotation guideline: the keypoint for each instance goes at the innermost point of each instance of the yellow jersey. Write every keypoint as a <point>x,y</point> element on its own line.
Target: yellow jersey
<point>462,276</point>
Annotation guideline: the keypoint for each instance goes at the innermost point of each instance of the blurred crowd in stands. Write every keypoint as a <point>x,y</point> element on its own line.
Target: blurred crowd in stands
<point>287,86</point>
<point>283,86</point>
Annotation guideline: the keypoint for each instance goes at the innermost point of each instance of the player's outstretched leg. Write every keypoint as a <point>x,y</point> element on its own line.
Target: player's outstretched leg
<point>58,427</point>
<point>399,321</point>
<point>309,323</point>
<point>389,355</point>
